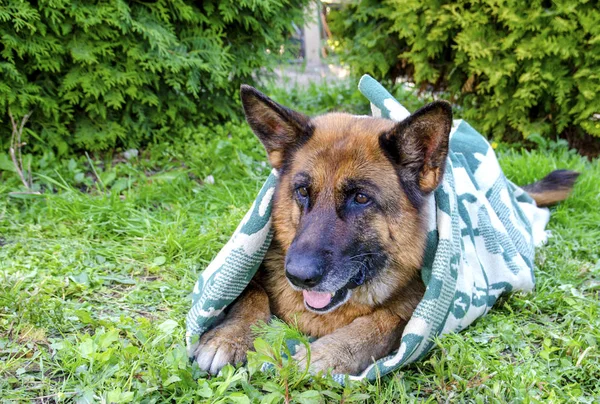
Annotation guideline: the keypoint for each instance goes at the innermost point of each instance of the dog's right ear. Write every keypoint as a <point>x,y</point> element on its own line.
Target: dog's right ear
<point>418,146</point>
<point>278,128</point>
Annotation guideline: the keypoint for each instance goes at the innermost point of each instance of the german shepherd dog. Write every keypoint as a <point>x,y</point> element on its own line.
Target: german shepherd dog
<point>349,231</point>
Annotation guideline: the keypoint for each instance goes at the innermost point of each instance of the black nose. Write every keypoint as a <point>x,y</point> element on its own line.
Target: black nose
<point>304,270</point>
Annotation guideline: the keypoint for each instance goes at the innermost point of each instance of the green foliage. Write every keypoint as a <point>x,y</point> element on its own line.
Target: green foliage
<point>97,271</point>
<point>339,96</point>
<point>103,74</point>
<point>529,67</point>
<point>316,99</point>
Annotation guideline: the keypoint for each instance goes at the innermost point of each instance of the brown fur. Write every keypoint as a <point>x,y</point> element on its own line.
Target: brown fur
<point>553,188</point>
<point>370,324</point>
<point>353,347</point>
<point>398,164</point>
<point>549,198</point>
<point>335,149</point>
<point>331,154</point>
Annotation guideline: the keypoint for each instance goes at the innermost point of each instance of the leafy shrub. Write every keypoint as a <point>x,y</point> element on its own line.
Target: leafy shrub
<point>111,73</point>
<point>513,66</point>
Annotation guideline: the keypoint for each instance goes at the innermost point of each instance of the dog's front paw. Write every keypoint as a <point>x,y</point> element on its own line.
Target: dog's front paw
<point>328,353</point>
<point>222,345</point>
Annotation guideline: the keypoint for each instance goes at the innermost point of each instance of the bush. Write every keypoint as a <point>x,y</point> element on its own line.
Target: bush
<point>513,66</point>
<point>115,73</point>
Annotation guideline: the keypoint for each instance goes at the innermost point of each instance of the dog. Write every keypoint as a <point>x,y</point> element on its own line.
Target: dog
<point>349,232</point>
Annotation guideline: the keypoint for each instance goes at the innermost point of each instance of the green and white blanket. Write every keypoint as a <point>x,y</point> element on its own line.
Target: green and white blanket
<point>482,234</point>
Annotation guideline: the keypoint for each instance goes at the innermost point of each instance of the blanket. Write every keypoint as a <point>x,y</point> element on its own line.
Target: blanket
<point>482,231</point>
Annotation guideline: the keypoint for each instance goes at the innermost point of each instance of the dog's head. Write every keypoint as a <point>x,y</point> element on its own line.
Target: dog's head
<point>348,207</point>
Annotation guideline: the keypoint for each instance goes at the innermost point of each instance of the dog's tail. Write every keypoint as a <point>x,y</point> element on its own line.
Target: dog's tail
<point>553,188</point>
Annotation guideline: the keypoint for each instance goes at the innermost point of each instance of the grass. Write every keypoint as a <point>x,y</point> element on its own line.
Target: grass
<point>96,276</point>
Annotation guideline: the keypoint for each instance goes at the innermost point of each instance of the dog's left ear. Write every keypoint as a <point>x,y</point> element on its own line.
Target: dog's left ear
<point>419,146</point>
<point>278,128</point>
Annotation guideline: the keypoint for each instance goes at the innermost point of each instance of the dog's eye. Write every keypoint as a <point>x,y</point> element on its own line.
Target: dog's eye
<point>302,191</point>
<point>361,199</point>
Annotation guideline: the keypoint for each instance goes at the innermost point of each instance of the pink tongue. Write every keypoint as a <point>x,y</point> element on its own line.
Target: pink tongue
<point>317,300</point>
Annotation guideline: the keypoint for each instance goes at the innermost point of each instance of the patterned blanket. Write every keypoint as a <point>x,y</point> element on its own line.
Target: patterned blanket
<point>482,234</point>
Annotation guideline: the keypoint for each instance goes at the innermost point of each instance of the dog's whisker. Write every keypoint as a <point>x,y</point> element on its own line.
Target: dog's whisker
<point>365,254</point>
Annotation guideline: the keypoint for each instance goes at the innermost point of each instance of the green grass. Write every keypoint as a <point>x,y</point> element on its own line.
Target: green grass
<point>96,279</point>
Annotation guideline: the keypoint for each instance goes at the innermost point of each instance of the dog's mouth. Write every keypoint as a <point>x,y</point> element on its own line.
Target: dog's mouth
<point>324,302</point>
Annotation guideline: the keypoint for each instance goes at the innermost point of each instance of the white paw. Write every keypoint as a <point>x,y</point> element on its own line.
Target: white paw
<point>220,346</point>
